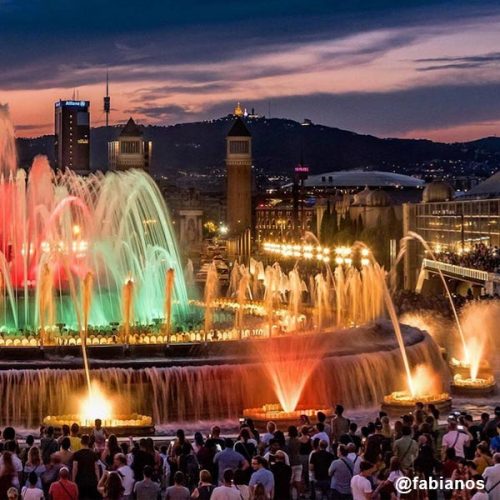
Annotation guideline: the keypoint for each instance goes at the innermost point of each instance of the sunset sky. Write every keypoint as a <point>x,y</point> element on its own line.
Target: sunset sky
<point>404,68</point>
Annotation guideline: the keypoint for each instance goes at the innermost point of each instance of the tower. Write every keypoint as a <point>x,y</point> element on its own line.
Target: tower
<point>72,136</point>
<point>130,150</point>
<point>107,100</point>
<point>239,178</point>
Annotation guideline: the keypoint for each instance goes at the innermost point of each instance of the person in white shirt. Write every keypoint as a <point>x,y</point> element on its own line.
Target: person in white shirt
<point>31,492</point>
<point>126,474</point>
<point>491,476</point>
<point>360,485</point>
<point>456,438</point>
<point>321,434</point>
<point>227,491</point>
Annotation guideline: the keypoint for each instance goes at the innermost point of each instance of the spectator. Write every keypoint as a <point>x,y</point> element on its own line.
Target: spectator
<point>147,489</point>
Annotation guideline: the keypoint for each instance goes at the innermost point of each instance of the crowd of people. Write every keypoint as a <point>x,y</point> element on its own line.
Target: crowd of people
<point>326,459</point>
<point>480,256</point>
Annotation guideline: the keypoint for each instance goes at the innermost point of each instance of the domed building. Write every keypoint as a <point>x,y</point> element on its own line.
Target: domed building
<point>437,191</point>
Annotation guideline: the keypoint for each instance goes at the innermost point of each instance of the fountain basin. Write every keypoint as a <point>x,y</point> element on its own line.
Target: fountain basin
<point>463,368</point>
<point>274,412</point>
<point>400,403</point>
<point>120,425</point>
<point>483,385</point>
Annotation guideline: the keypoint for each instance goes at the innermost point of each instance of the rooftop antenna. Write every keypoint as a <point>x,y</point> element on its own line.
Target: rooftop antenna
<point>107,100</point>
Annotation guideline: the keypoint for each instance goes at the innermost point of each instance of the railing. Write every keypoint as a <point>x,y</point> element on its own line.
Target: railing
<point>464,272</point>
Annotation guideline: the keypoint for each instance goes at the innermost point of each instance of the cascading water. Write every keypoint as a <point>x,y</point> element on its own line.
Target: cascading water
<point>59,224</point>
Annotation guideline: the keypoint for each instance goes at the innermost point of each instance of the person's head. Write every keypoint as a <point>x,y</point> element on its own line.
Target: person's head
<point>143,444</point>
<point>245,434</point>
<point>49,431</point>
<point>419,406</point>
<point>258,462</point>
<point>452,425</point>
<point>34,455</point>
<point>119,460</point>
<point>97,423</point>
<point>205,476</point>
<point>228,443</point>
<point>353,427</point>
<point>63,473</point>
<point>378,427</point>
<point>339,410</point>
<point>85,441</point>
<point>271,427</point>
<point>30,441</point>
<point>75,429</point>
<point>114,487</point>
<point>113,442</point>
<point>9,434</point>
<point>12,494</point>
<point>65,430</point>
<point>65,443</point>
<point>215,431</point>
<point>406,430</point>
<point>485,417</point>
<point>323,445</point>
<point>395,464</point>
<point>422,440</point>
<point>497,411</point>
<point>260,491</point>
<point>292,431</point>
<point>321,416</point>
<point>450,454</point>
<point>496,458</point>
<point>179,478</point>
<point>198,438</point>
<point>280,456</point>
<point>228,477</point>
<point>342,450</point>
<point>365,467</point>
<point>320,426</point>
<point>148,472</point>
<point>7,461</point>
<point>315,443</point>
<point>274,446</point>
<point>351,448</point>
<point>32,479</point>
<point>180,435</point>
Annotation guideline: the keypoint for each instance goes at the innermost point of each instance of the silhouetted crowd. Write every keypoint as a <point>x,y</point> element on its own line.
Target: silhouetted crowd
<point>326,459</point>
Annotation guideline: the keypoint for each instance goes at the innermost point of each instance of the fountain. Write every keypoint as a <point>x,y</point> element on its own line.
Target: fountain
<point>472,376</point>
<point>90,265</point>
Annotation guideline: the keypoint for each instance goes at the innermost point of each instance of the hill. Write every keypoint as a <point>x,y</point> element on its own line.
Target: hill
<point>278,144</point>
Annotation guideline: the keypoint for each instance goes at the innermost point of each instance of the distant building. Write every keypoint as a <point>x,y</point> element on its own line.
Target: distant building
<point>130,150</point>
<point>239,178</point>
<point>72,136</point>
<point>456,229</point>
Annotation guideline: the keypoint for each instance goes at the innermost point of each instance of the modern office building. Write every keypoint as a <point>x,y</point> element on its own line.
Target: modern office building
<point>72,136</point>
<point>130,150</point>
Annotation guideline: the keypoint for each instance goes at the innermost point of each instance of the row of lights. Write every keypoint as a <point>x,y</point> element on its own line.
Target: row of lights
<point>298,251</point>
<point>343,254</point>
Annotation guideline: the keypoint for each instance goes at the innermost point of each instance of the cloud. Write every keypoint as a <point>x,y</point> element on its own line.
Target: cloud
<point>459,62</point>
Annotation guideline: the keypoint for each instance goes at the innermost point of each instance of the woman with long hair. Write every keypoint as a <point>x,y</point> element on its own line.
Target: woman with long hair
<point>33,464</point>
<point>110,450</point>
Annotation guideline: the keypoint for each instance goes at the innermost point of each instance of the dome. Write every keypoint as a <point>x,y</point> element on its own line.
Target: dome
<point>437,191</point>
<point>360,197</point>
<point>378,198</point>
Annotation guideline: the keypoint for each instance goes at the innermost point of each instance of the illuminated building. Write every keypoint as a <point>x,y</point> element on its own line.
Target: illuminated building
<point>72,136</point>
<point>453,227</point>
<point>130,150</point>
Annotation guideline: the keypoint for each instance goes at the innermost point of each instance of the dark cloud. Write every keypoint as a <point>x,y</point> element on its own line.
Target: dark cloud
<point>166,114</point>
<point>459,62</point>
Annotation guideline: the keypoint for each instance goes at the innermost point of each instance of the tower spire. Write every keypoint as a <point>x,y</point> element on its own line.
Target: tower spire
<point>107,100</point>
